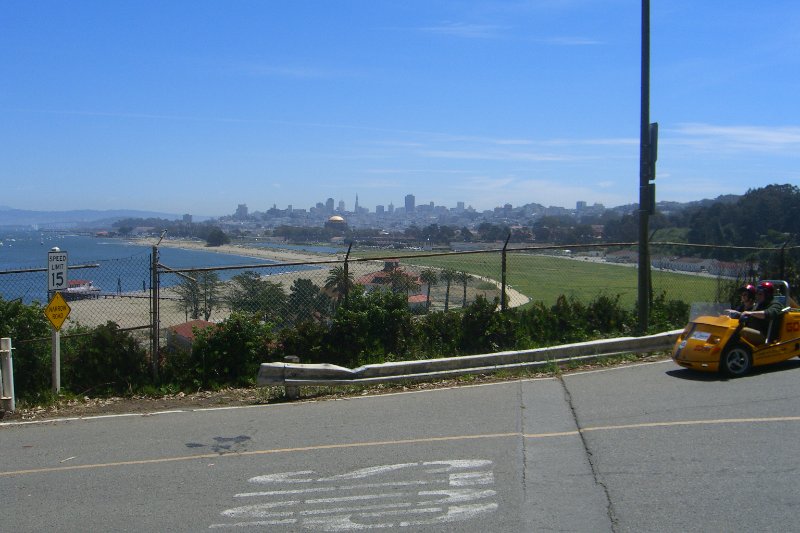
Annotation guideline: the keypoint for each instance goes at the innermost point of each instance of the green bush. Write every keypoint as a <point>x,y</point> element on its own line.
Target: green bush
<point>484,329</point>
<point>667,314</point>
<point>230,353</point>
<point>605,315</point>
<point>438,335</point>
<point>32,366</point>
<point>103,360</point>
<point>369,328</point>
<point>304,339</point>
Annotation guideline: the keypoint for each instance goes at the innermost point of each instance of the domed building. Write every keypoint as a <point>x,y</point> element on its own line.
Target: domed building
<point>336,223</point>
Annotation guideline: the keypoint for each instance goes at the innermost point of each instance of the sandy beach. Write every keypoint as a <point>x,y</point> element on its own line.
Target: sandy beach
<point>275,254</point>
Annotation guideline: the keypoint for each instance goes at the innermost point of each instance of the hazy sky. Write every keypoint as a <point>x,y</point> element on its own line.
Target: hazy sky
<point>197,106</point>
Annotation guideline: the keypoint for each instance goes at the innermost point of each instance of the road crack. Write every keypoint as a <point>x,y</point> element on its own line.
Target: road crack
<point>612,516</point>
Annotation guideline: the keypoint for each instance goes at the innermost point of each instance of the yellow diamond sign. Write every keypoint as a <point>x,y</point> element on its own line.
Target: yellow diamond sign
<point>57,311</point>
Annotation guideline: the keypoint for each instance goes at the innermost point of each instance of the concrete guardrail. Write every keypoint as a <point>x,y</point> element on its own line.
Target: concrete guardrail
<point>293,374</point>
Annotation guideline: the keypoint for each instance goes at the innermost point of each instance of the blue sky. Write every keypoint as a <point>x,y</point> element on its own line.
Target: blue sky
<point>196,106</point>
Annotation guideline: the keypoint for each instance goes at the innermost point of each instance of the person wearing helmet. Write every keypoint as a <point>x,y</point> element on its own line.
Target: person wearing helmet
<point>747,300</point>
<point>766,312</point>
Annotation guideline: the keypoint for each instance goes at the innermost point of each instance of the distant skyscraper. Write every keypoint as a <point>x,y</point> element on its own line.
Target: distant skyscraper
<point>355,209</point>
<point>410,203</point>
<point>329,205</point>
<point>241,212</point>
<point>391,208</point>
<point>379,210</point>
<point>341,206</point>
<point>460,206</point>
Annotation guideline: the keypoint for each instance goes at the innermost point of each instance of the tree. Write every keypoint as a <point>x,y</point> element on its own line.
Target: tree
<point>307,301</point>
<point>340,281</point>
<point>430,278</point>
<point>199,296</point>
<point>401,281</point>
<point>463,278</point>
<point>249,293</point>
<point>448,275</point>
<point>217,237</point>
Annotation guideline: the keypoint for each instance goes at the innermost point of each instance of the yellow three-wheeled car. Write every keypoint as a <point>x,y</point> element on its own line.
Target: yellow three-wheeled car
<point>713,342</point>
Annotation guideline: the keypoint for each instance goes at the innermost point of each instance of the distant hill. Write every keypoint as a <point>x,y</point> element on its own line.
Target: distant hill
<point>76,219</point>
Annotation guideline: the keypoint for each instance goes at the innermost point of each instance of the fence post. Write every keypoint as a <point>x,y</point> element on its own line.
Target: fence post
<point>347,274</point>
<point>783,260</point>
<point>154,312</point>
<point>503,299</point>
<point>7,376</point>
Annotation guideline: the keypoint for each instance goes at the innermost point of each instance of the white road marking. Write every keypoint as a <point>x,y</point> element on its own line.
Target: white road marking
<point>366,472</point>
<point>286,477</point>
<point>402,495</point>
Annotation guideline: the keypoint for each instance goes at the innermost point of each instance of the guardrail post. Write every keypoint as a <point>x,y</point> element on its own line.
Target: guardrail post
<point>292,391</point>
<point>7,376</point>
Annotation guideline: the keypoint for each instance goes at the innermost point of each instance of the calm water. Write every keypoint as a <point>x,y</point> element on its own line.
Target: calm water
<point>123,266</point>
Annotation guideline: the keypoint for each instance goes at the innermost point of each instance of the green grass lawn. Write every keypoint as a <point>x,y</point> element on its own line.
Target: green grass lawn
<point>544,278</point>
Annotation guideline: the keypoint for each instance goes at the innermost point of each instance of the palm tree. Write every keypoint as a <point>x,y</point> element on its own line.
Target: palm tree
<point>429,277</point>
<point>340,281</point>
<point>463,278</point>
<point>448,275</point>
<point>401,281</point>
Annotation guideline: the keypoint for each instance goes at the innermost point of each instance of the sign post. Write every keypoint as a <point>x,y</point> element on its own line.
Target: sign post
<point>57,310</point>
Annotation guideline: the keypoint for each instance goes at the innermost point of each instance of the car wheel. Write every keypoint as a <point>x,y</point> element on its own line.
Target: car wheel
<point>736,361</point>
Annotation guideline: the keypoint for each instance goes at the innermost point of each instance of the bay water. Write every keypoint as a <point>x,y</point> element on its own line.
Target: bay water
<point>122,266</point>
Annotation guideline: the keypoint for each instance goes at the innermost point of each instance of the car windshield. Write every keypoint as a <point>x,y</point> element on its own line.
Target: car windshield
<point>707,309</point>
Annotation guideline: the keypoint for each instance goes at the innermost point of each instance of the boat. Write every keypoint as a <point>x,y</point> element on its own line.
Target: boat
<point>80,289</point>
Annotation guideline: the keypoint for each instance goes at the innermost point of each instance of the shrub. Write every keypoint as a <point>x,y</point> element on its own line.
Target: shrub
<point>438,335</point>
<point>103,360</point>
<point>230,353</point>
<point>304,340</point>
<point>605,315</point>
<point>667,314</point>
<point>371,326</point>
<point>32,376</point>
<point>484,329</point>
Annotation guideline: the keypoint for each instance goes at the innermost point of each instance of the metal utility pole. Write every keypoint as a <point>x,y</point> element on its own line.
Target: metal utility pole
<point>648,143</point>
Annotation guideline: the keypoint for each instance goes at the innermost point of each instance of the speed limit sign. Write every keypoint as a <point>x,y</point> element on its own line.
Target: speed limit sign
<point>56,270</point>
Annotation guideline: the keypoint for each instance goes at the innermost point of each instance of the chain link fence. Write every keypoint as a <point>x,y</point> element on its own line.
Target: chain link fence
<point>161,304</point>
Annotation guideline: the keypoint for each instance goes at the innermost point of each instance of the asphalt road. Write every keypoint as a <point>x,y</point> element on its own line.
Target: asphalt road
<point>639,448</point>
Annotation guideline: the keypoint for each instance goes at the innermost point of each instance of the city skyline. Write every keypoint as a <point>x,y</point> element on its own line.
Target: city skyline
<point>195,107</point>
<point>331,205</point>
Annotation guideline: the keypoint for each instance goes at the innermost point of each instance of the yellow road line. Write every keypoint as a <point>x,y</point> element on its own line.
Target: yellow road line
<point>426,440</point>
<point>260,452</point>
